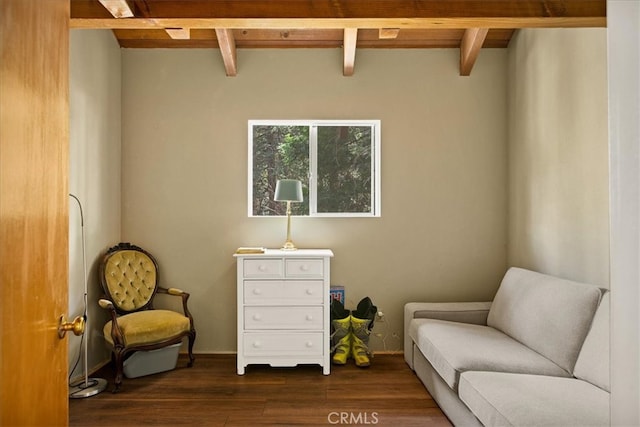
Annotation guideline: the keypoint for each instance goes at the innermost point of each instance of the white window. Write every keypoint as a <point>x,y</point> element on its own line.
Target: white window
<point>337,161</point>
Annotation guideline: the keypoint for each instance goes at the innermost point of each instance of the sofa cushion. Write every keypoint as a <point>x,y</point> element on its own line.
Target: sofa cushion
<point>502,399</point>
<point>550,315</point>
<point>453,348</point>
<point>593,360</point>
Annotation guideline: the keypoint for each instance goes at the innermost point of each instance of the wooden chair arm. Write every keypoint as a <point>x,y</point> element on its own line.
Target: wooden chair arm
<point>116,332</point>
<point>171,291</point>
<point>179,293</point>
<point>106,304</point>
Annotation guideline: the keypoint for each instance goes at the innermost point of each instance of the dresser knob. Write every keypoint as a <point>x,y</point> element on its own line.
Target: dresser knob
<point>309,291</point>
<point>304,267</point>
<point>262,268</point>
<point>257,344</point>
<point>257,316</point>
<point>257,291</point>
<point>309,344</point>
<point>309,317</point>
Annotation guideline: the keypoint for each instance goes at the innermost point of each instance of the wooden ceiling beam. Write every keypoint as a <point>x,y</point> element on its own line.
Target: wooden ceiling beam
<point>179,33</point>
<point>335,23</point>
<point>470,46</point>
<point>118,8</point>
<point>341,14</point>
<point>349,50</point>
<point>354,9</point>
<point>123,9</point>
<point>388,33</point>
<point>333,38</point>
<point>227,44</point>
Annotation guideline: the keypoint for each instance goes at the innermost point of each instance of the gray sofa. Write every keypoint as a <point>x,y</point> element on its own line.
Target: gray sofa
<point>538,355</point>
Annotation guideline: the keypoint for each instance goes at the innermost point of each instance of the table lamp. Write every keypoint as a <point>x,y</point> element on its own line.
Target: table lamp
<point>288,190</point>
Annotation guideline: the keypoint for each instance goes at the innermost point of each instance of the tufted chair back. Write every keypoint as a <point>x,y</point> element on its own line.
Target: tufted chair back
<point>130,278</point>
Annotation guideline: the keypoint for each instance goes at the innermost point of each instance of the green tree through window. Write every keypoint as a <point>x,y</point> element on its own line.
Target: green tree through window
<point>344,169</point>
<point>337,162</point>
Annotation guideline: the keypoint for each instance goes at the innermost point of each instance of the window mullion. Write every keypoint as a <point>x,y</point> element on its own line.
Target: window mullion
<point>377,172</point>
<point>374,172</point>
<point>313,170</point>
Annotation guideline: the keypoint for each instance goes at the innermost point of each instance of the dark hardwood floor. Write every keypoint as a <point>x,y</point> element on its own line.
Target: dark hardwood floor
<point>211,394</point>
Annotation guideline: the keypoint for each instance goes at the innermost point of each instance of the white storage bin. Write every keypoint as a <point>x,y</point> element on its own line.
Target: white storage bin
<point>143,363</point>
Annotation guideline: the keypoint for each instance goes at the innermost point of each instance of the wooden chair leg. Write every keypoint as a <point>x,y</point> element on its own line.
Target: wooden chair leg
<point>192,339</point>
<point>118,360</point>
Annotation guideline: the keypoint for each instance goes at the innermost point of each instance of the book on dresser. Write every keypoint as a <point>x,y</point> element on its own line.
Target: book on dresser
<point>250,250</point>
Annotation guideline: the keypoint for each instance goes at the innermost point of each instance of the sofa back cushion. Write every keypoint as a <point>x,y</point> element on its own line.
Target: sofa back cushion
<point>593,360</point>
<point>549,315</point>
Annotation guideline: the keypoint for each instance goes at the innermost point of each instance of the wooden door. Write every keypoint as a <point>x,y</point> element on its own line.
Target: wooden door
<point>34,145</point>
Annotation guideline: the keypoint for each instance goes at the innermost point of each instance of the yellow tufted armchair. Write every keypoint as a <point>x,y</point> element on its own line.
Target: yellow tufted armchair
<point>129,278</point>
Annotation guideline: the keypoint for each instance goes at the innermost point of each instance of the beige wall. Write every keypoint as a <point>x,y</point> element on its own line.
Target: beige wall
<point>558,153</point>
<point>442,234</point>
<point>623,48</point>
<point>94,174</point>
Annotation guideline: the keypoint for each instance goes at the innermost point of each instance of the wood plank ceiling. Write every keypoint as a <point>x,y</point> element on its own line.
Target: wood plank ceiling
<point>228,25</point>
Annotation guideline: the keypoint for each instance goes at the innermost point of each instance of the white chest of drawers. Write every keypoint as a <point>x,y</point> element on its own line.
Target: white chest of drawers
<point>283,308</point>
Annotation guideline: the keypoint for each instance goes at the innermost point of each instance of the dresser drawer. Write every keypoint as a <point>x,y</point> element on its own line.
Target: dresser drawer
<point>263,268</point>
<point>278,344</point>
<point>303,267</point>
<point>283,318</point>
<point>303,292</point>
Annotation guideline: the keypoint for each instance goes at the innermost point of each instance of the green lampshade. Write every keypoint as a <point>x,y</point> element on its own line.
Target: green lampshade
<point>288,190</point>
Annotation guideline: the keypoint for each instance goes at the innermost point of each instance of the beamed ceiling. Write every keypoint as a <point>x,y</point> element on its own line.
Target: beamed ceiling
<point>228,25</point>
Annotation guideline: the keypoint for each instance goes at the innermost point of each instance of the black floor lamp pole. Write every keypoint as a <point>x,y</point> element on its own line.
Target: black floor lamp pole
<point>90,386</point>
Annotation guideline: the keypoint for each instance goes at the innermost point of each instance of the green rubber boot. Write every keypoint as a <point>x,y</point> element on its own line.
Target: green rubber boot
<point>341,333</point>
<point>361,324</point>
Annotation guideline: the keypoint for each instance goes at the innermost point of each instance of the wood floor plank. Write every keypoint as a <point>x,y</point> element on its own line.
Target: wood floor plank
<point>211,394</point>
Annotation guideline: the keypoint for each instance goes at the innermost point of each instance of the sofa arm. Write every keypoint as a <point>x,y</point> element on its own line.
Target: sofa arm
<point>464,312</point>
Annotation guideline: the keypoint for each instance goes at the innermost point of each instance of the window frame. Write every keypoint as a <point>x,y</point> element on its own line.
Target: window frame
<point>313,165</point>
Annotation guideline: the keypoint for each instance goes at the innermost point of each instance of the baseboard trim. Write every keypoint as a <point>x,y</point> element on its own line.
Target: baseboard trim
<point>103,363</point>
<point>382,352</point>
<point>77,378</point>
<point>389,353</point>
<point>209,352</point>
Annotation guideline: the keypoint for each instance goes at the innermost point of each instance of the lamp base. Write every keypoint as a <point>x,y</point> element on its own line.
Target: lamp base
<point>289,246</point>
<point>87,388</point>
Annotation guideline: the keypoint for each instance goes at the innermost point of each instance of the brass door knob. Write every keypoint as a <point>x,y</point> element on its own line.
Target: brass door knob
<point>77,326</point>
